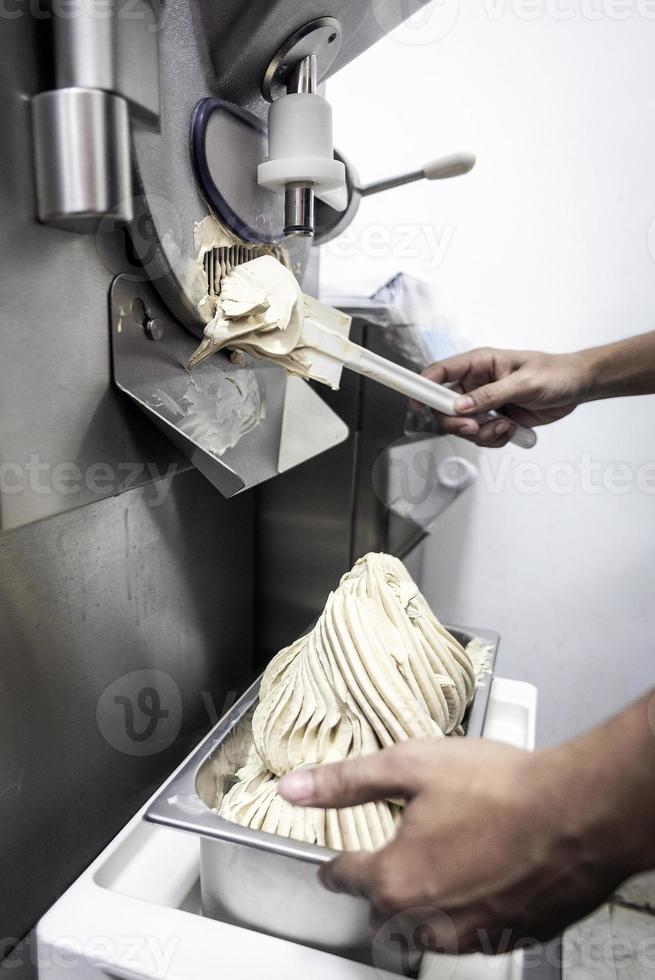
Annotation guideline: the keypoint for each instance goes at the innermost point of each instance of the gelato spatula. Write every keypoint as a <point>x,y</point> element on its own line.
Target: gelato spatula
<point>319,334</point>
<point>261,310</point>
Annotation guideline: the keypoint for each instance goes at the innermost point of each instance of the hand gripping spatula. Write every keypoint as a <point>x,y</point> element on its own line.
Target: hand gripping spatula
<point>325,332</point>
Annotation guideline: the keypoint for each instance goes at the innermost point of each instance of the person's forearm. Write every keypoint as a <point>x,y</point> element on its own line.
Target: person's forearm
<point>534,388</point>
<point>609,773</point>
<point>623,368</point>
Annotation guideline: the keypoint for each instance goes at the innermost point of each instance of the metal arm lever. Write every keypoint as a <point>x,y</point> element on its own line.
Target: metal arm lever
<point>336,209</point>
<point>451,166</point>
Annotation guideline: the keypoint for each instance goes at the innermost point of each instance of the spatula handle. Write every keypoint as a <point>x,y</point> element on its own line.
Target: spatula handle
<point>422,389</point>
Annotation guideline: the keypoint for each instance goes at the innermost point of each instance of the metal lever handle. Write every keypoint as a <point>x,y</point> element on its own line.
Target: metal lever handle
<point>451,166</point>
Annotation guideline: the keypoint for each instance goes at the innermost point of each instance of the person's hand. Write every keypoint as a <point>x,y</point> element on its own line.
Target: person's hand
<point>531,388</point>
<point>488,840</point>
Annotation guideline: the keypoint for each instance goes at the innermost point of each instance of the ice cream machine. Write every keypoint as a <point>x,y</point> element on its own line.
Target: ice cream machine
<point>149,148</point>
<point>199,134</point>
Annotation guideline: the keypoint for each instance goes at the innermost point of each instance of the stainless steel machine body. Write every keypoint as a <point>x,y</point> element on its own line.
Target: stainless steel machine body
<point>133,597</point>
<point>263,881</point>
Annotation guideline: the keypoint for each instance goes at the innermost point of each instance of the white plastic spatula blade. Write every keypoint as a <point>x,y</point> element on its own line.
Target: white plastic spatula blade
<point>327,317</point>
<point>325,368</point>
<point>325,330</point>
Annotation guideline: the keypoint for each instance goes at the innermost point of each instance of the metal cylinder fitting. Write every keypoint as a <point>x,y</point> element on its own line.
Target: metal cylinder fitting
<point>299,198</point>
<point>82,156</point>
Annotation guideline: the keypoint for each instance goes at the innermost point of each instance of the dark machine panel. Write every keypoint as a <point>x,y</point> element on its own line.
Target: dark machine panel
<point>150,605</point>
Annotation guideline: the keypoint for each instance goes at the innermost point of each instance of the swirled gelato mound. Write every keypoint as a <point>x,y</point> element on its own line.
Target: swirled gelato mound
<point>377,668</point>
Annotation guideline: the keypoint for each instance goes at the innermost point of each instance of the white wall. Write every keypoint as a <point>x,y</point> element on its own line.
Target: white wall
<point>547,247</point>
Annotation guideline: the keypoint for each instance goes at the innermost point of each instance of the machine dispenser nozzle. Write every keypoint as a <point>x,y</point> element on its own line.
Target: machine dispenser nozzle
<point>301,162</point>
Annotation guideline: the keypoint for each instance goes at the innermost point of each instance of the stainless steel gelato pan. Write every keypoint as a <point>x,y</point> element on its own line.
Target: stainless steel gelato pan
<point>263,881</point>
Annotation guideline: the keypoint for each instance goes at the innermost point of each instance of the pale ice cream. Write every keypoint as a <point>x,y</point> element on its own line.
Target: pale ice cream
<point>377,668</point>
<point>259,310</point>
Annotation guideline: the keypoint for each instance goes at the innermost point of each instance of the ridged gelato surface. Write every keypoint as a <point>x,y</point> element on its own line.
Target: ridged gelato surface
<point>377,668</point>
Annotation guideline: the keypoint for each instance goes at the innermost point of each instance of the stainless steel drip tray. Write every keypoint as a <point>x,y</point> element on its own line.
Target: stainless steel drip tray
<point>263,881</point>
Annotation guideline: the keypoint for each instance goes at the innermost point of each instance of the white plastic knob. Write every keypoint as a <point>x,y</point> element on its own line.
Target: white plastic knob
<point>300,145</point>
<point>452,166</point>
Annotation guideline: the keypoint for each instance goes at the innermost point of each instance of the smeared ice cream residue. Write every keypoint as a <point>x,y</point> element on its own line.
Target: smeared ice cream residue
<point>215,411</point>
